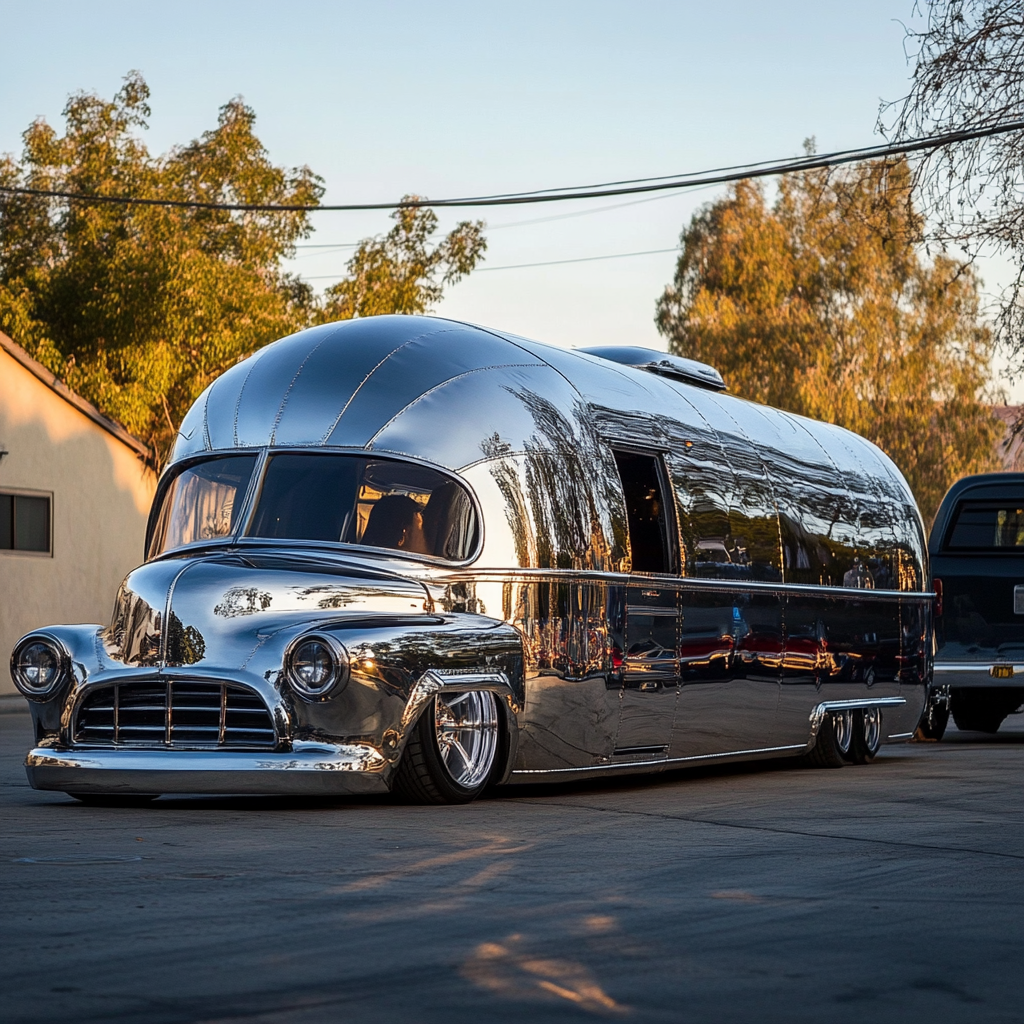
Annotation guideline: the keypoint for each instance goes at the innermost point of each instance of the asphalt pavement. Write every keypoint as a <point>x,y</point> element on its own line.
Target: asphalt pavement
<point>765,892</point>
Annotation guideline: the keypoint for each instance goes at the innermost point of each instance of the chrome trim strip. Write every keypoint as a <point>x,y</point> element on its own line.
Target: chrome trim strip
<point>975,666</point>
<point>817,715</point>
<point>614,767</point>
<point>900,736</point>
<point>681,583</point>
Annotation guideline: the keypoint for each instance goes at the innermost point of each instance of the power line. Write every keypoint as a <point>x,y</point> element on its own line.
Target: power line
<point>519,223</point>
<point>581,259</point>
<point>521,266</point>
<point>632,186</point>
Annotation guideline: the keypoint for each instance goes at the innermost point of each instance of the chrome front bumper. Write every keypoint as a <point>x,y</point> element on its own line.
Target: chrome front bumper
<point>976,673</point>
<point>310,769</point>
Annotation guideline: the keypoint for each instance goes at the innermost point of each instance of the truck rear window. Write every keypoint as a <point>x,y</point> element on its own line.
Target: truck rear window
<point>987,526</point>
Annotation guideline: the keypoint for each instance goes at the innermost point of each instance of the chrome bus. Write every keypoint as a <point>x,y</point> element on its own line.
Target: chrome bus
<point>408,553</point>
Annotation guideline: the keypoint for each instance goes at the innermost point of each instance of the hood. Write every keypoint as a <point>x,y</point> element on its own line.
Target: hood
<point>218,609</point>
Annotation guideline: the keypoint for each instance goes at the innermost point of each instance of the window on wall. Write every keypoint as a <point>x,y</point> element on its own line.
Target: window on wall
<point>25,522</point>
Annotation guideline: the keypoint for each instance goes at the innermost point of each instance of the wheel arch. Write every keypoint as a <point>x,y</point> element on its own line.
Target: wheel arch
<point>435,680</point>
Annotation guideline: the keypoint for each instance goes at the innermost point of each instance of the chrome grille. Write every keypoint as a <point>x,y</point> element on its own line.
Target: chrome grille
<point>180,713</point>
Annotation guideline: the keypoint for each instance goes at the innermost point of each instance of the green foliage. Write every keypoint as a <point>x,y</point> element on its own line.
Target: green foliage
<point>138,308</point>
<point>400,273</point>
<point>822,304</point>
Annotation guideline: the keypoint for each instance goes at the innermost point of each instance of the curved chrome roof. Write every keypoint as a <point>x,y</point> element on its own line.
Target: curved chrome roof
<point>455,394</point>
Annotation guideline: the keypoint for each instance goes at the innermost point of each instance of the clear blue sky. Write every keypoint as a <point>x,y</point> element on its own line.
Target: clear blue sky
<point>441,99</point>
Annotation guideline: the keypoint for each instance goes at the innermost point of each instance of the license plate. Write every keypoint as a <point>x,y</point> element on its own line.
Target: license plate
<point>1001,671</point>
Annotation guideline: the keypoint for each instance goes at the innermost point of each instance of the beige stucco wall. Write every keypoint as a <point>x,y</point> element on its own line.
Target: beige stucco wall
<point>101,498</point>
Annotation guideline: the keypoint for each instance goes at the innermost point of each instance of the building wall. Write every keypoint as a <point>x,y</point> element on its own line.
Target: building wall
<point>1010,447</point>
<point>101,497</point>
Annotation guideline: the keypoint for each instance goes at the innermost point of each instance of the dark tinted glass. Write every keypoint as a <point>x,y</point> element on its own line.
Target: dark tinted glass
<point>377,502</point>
<point>202,503</point>
<point>6,522</point>
<point>31,523</point>
<point>987,526</point>
<point>24,522</point>
<point>646,512</point>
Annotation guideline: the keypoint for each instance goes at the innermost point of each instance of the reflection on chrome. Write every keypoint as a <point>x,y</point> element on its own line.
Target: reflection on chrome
<point>466,725</point>
<point>405,537</point>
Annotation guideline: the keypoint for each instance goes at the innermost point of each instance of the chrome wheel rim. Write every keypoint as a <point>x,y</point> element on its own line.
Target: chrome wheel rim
<point>466,727</point>
<point>842,728</point>
<point>872,728</point>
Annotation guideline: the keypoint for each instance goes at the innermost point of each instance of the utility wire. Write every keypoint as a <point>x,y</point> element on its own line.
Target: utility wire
<point>632,186</point>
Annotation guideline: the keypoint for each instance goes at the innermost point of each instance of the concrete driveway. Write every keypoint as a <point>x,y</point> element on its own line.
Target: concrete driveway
<point>766,892</point>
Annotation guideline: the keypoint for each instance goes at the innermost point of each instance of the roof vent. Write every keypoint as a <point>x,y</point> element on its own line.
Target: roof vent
<point>687,370</point>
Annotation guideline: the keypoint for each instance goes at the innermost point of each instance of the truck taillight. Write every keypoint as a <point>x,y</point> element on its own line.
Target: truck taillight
<point>937,587</point>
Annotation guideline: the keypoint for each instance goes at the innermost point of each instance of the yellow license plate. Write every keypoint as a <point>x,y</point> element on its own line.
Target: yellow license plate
<point>1001,671</point>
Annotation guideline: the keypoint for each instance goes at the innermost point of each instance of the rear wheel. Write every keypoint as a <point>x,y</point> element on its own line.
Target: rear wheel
<point>832,747</point>
<point>867,735</point>
<point>452,750</point>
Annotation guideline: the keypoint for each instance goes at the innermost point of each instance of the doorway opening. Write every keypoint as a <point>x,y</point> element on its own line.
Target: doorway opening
<point>648,511</point>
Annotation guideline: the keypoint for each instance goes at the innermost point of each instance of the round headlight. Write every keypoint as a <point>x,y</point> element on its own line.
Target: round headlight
<point>37,667</point>
<point>316,665</point>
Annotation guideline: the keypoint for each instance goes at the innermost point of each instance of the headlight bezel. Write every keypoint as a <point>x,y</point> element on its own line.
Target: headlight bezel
<point>338,676</point>
<point>61,676</point>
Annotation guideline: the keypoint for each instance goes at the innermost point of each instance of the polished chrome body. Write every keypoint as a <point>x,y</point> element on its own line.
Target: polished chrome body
<point>797,583</point>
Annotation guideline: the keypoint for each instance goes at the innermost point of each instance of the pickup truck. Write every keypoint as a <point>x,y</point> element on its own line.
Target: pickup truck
<point>977,557</point>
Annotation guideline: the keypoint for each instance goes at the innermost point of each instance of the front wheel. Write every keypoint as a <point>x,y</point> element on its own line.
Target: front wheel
<point>452,750</point>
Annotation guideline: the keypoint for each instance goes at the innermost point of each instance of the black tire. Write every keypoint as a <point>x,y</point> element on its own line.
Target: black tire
<point>980,710</point>
<point>978,721</point>
<point>829,750</point>
<point>867,735</point>
<point>932,727</point>
<point>115,799</point>
<point>424,778</point>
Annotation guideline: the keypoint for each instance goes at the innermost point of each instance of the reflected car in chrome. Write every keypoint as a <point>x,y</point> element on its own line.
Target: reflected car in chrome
<point>405,553</point>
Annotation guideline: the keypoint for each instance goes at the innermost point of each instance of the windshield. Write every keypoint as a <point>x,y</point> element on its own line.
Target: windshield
<point>382,503</point>
<point>378,502</point>
<point>202,502</point>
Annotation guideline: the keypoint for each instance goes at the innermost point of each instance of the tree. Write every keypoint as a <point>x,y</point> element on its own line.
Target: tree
<point>139,307</point>
<point>969,74</point>
<point>822,304</point>
<point>399,272</point>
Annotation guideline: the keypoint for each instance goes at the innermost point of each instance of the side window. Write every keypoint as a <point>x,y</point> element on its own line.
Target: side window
<point>703,482</point>
<point>648,513</point>
<point>25,522</point>
<point>754,547</point>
